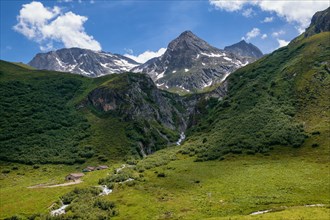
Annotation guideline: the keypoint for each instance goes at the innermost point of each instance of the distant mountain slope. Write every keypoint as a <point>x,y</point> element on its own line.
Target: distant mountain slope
<point>82,61</point>
<point>280,99</point>
<point>190,64</point>
<point>245,50</point>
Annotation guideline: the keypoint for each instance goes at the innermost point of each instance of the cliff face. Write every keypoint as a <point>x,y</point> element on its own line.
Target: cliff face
<point>157,117</point>
<point>135,96</point>
<point>320,23</point>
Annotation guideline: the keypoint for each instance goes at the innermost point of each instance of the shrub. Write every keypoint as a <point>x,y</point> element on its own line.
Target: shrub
<point>15,217</point>
<point>87,153</point>
<point>102,158</point>
<point>250,152</point>
<point>104,205</point>
<point>315,145</point>
<point>161,175</point>
<point>316,133</point>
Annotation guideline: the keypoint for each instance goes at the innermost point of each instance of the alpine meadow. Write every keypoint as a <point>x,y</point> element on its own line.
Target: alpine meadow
<point>194,132</point>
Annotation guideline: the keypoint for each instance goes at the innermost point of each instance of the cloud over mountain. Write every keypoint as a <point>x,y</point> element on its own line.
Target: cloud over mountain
<point>147,55</point>
<point>255,32</point>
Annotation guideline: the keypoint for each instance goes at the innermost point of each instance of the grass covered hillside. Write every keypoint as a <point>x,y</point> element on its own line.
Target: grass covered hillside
<point>261,152</point>
<point>281,99</point>
<point>50,117</point>
<point>37,123</point>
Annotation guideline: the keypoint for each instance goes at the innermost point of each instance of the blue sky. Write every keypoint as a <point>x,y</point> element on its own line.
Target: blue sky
<point>134,27</point>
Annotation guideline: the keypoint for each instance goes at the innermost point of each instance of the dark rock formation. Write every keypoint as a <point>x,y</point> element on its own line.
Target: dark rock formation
<point>245,50</point>
<point>320,23</point>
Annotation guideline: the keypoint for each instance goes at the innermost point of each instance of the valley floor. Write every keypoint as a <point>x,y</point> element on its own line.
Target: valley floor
<point>284,182</point>
<point>233,188</point>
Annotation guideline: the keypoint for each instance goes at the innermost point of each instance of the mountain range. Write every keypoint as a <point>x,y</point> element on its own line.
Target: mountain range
<point>191,64</point>
<point>151,117</point>
<point>260,137</point>
<point>83,62</point>
<point>188,65</point>
<point>154,118</point>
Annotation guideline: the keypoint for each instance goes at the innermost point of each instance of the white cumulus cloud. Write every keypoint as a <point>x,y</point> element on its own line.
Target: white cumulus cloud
<point>278,33</point>
<point>248,13</point>
<point>264,36</point>
<point>234,5</point>
<point>268,19</point>
<point>147,55</point>
<point>300,12</point>
<point>47,25</point>
<point>282,43</point>
<point>255,32</point>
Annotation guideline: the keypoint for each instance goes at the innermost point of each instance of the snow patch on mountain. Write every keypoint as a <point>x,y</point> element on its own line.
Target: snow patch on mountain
<point>161,75</point>
<point>84,62</point>
<point>214,54</point>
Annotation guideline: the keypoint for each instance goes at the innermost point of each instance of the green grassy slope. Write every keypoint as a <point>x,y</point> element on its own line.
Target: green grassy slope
<point>24,65</point>
<point>35,117</point>
<point>232,188</point>
<point>266,101</point>
<point>280,101</point>
<point>49,117</point>
<point>40,122</point>
<point>271,102</point>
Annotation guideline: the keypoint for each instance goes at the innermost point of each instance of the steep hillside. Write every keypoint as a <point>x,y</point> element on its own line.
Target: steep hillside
<point>36,116</point>
<point>155,117</point>
<point>68,118</point>
<point>274,101</point>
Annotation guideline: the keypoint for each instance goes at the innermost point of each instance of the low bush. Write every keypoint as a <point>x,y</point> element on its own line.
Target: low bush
<point>161,175</point>
<point>104,205</point>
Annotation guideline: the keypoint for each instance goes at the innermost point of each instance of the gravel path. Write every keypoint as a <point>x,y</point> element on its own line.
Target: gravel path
<point>56,185</point>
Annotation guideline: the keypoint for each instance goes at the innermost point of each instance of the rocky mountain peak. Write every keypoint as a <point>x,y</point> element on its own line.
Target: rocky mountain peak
<point>189,41</point>
<point>187,33</point>
<point>83,61</point>
<point>191,64</point>
<point>245,49</point>
<point>320,23</point>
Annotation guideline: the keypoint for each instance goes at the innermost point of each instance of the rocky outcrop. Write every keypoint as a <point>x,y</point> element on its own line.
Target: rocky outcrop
<point>320,23</point>
<point>135,97</point>
<point>157,116</point>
